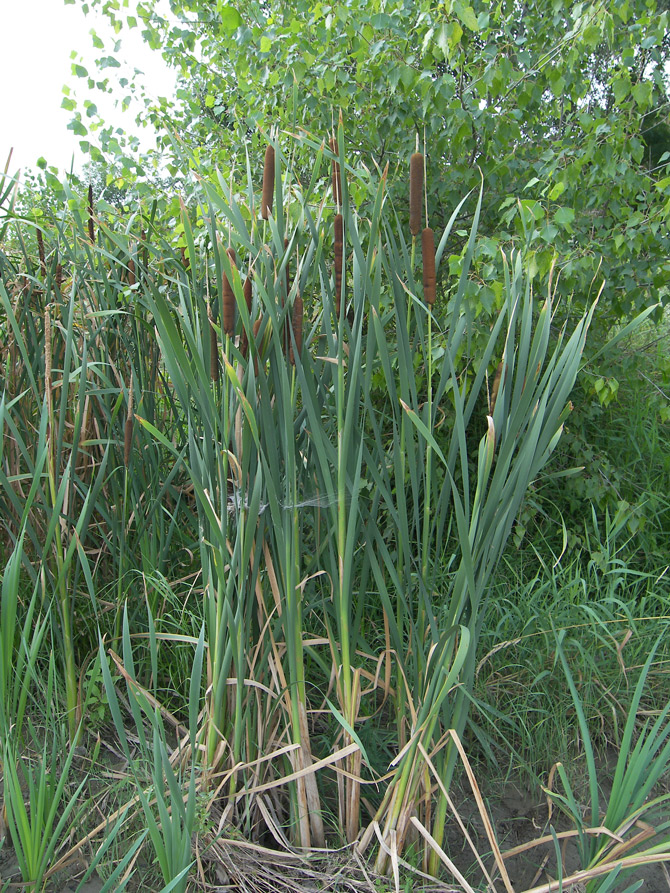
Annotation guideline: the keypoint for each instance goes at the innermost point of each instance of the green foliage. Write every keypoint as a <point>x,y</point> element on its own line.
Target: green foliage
<point>560,105</point>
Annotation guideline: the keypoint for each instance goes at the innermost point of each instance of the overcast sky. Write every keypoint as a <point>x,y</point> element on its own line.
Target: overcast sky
<point>35,63</point>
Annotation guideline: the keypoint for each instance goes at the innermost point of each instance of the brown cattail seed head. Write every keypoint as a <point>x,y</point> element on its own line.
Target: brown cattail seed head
<point>339,251</point>
<point>248,282</point>
<point>229,298</point>
<point>337,180</point>
<point>91,227</point>
<point>131,272</point>
<point>296,321</point>
<point>40,249</point>
<point>59,276</point>
<point>268,183</point>
<point>415,192</point>
<point>244,340</point>
<point>428,255</point>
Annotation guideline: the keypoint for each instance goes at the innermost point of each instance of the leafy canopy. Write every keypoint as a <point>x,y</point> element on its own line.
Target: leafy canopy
<point>563,106</point>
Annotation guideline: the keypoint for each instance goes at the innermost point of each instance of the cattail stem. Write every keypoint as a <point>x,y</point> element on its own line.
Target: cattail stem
<point>213,349</point>
<point>339,252</point>
<point>415,192</point>
<point>428,256</point>
<point>268,183</point>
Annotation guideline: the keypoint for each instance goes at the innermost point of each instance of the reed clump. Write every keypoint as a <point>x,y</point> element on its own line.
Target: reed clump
<point>290,527</point>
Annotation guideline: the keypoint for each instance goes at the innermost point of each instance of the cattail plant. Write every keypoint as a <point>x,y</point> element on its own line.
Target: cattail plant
<point>91,225</point>
<point>268,182</point>
<point>415,192</point>
<point>131,272</point>
<point>338,252</point>
<point>428,257</point>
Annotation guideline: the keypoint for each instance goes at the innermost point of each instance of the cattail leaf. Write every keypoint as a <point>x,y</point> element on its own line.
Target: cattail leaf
<point>228,296</point>
<point>268,183</point>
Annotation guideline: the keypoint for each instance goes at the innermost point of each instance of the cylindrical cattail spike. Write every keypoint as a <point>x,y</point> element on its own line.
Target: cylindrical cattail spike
<point>248,282</point>
<point>229,298</point>
<point>339,251</point>
<point>336,177</point>
<point>131,272</point>
<point>428,255</point>
<point>40,249</point>
<point>296,321</point>
<point>415,192</point>
<point>91,227</point>
<point>244,340</point>
<point>268,183</point>
<point>59,276</point>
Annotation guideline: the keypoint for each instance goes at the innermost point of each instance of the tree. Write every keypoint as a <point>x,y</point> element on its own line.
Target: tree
<point>559,105</point>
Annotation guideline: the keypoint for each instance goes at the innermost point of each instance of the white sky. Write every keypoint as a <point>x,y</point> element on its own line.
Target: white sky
<point>35,64</point>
